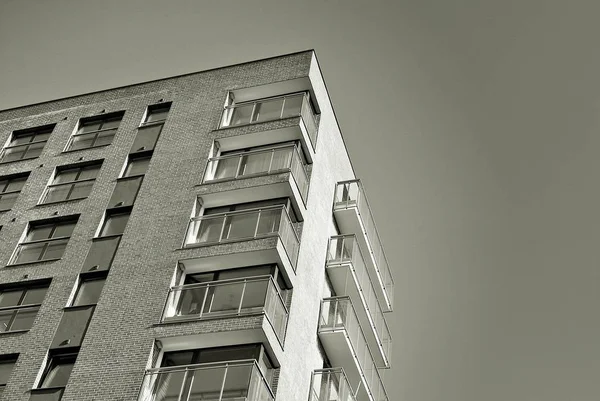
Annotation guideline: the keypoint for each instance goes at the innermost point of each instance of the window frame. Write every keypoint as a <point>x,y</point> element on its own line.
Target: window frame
<point>24,287</point>
<point>61,169</point>
<point>33,132</point>
<point>133,158</point>
<point>87,278</point>
<point>153,108</point>
<point>110,213</point>
<point>5,360</point>
<point>9,179</point>
<point>52,362</point>
<point>43,223</point>
<point>102,119</point>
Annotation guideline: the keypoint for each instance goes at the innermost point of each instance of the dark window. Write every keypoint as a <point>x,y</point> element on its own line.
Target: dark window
<point>95,131</point>
<point>19,306</point>
<point>207,355</point>
<point>114,223</point>
<point>125,192</point>
<point>89,291</point>
<point>149,131</point>
<point>157,113</point>
<point>26,144</point>
<point>10,187</point>
<point>72,183</point>
<point>58,370</point>
<point>101,254</point>
<point>7,363</point>
<point>136,166</point>
<point>45,241</point>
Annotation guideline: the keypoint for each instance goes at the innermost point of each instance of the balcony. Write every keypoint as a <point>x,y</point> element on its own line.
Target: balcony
<point>347,272</point>
<point>333,385</point>
<point>245,225</point>
<point>353,216</point>
<point>272,109</point>
<point>221,381</point>
<point>345,345</point>
<point>256,163</point>
<point>227,298</point>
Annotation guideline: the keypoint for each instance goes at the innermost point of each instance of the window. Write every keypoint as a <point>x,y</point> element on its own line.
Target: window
<point>7,363</point>
<point>58,370</point>
<point>19,306</point>
<point>157,113</point>
<point>45,241</point>
<point>26,144</point>
<point>10,187</point>
<point>149,131</point>
<point>89,291</point>
<point>114,222</point>
<point>72,183</point>
<point>136,166</point>
<point>95,131</point>
<point>256,111</point>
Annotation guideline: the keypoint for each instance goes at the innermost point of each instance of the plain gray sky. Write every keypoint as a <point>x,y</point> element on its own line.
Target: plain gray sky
<point>473,124</point>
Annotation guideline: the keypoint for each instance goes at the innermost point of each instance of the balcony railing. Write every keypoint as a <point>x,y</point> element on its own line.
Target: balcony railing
<point>275,108</point>
<point>338,314</point>
<point>333,385</point>
<point>245,225</point>
<point>221,381</point>
<point>351,194</point>
<point>345,250</point>
<point>226,298</point>
<point>259,162</point>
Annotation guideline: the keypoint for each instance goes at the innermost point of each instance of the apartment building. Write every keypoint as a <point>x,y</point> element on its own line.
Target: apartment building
<point>199,237</point>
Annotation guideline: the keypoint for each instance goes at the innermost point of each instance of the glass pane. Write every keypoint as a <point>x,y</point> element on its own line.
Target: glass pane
<point>13,154</point>
<point>21,139</point>
<point>115,224</point>
<point>81,190</point>
<point>41,137</point>
<point>30,253</point>
<point>206,384</point>
<point>82,141</point>
<point>210,229</point>
<point>101,254</point>
<point>227,168</point>
<point>157,114</point>
<point>282,159</point>
<point>40,232</point>
<point>237,382</point>
<point>24,319</point>
<point>57,194</point>
<point>34,150</point>
<point>269,110</point>
<point>292,106</point>
<point>168,386</point>
<point>66,176</point>
<point>5,318</point>
<point>16,184</point>
<point>233,353</point>
<point>137,167</point>
<point>105,138</point>
<point>55,250</point>
<point>7,201</point>
<point>125,192</point>
<point>240,226</point>
<point>10,298</point>
<point>6,368</point>
<point>89,172</point>
<point>146,138</point>
<point>255,294</point>
<point>54,394</point>
<point>111,123</point>
<point>34,296</point>
<point>241,114</point>
<point>58,376</point>
<point>224,298</point>
<point>178,358</point>
<point>190,301</point>
<point>89,126</point>
<point>63,230</point>
<point>269,221</point>
<point>256,163</point>
<point>89,292</point>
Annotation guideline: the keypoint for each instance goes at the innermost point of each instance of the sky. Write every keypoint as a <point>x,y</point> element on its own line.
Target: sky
<point>473,125</point>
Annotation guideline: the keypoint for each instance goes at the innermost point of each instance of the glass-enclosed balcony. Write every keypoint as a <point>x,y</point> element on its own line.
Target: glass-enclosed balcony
<point>274,108</point>
<point>220,381</point>
<point>259,162</point>
<point>353,215</point>
<point>333,385</point>
<point>348,274</point>
<point>342,337</point>
<point>228,298</point>
<point>245,225</point>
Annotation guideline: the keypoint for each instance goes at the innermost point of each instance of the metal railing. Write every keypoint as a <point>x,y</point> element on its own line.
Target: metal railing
<point>219,381</point>
<point>333,385</point>
<point>243,225</point>
<point>259,162</point>
<point>274,108</point>
<point>226,298</point>
<point>337,313</point>
<point>345,249</point>
<point>351,194</point>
